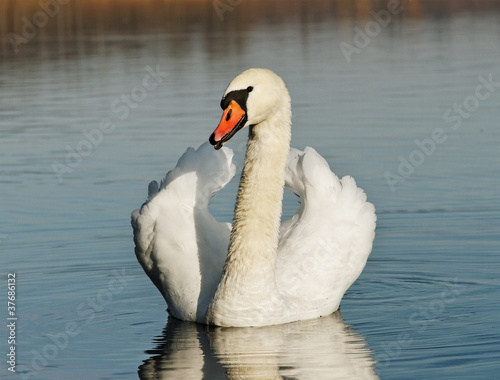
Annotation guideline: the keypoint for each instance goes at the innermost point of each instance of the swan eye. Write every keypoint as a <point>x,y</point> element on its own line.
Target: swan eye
<point>249,89</point>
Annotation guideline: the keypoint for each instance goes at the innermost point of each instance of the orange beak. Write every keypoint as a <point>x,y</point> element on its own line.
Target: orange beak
<point>233,119</point>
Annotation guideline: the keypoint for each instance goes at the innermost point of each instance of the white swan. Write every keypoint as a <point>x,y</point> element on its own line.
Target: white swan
<point>269,274</point>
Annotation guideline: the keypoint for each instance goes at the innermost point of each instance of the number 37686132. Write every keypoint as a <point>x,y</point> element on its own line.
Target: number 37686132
<point>11,294</point>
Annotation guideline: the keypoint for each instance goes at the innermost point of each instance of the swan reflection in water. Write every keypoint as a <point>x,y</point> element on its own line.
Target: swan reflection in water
<point>322,348</point>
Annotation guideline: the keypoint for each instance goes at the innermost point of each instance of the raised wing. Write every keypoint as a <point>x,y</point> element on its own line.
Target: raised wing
<point>324,247</point>
<point>179,244</point>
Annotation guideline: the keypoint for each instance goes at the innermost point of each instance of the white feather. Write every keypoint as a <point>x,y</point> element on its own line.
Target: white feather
<point>179,244</point>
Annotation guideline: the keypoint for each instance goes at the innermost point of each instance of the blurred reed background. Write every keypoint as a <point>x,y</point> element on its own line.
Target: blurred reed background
<point>27,26</point>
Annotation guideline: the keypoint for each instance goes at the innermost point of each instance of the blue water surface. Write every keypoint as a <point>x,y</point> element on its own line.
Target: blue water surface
<point>426,305</point>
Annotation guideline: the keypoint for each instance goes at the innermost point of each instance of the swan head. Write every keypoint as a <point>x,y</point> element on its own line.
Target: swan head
<point>252,97</point>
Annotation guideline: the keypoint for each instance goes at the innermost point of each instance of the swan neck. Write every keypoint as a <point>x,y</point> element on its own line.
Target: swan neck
<point>249,270</point>
<point>257,216</point>
<point>259,203</point>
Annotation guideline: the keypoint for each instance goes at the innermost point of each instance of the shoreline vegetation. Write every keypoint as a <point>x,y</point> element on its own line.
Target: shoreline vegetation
<point>32,22</point>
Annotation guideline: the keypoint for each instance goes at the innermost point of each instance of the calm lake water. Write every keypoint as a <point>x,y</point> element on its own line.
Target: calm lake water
<point>413,117</point>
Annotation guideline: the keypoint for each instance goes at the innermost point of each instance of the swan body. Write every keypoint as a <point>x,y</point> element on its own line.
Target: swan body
<point>255,272</point>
